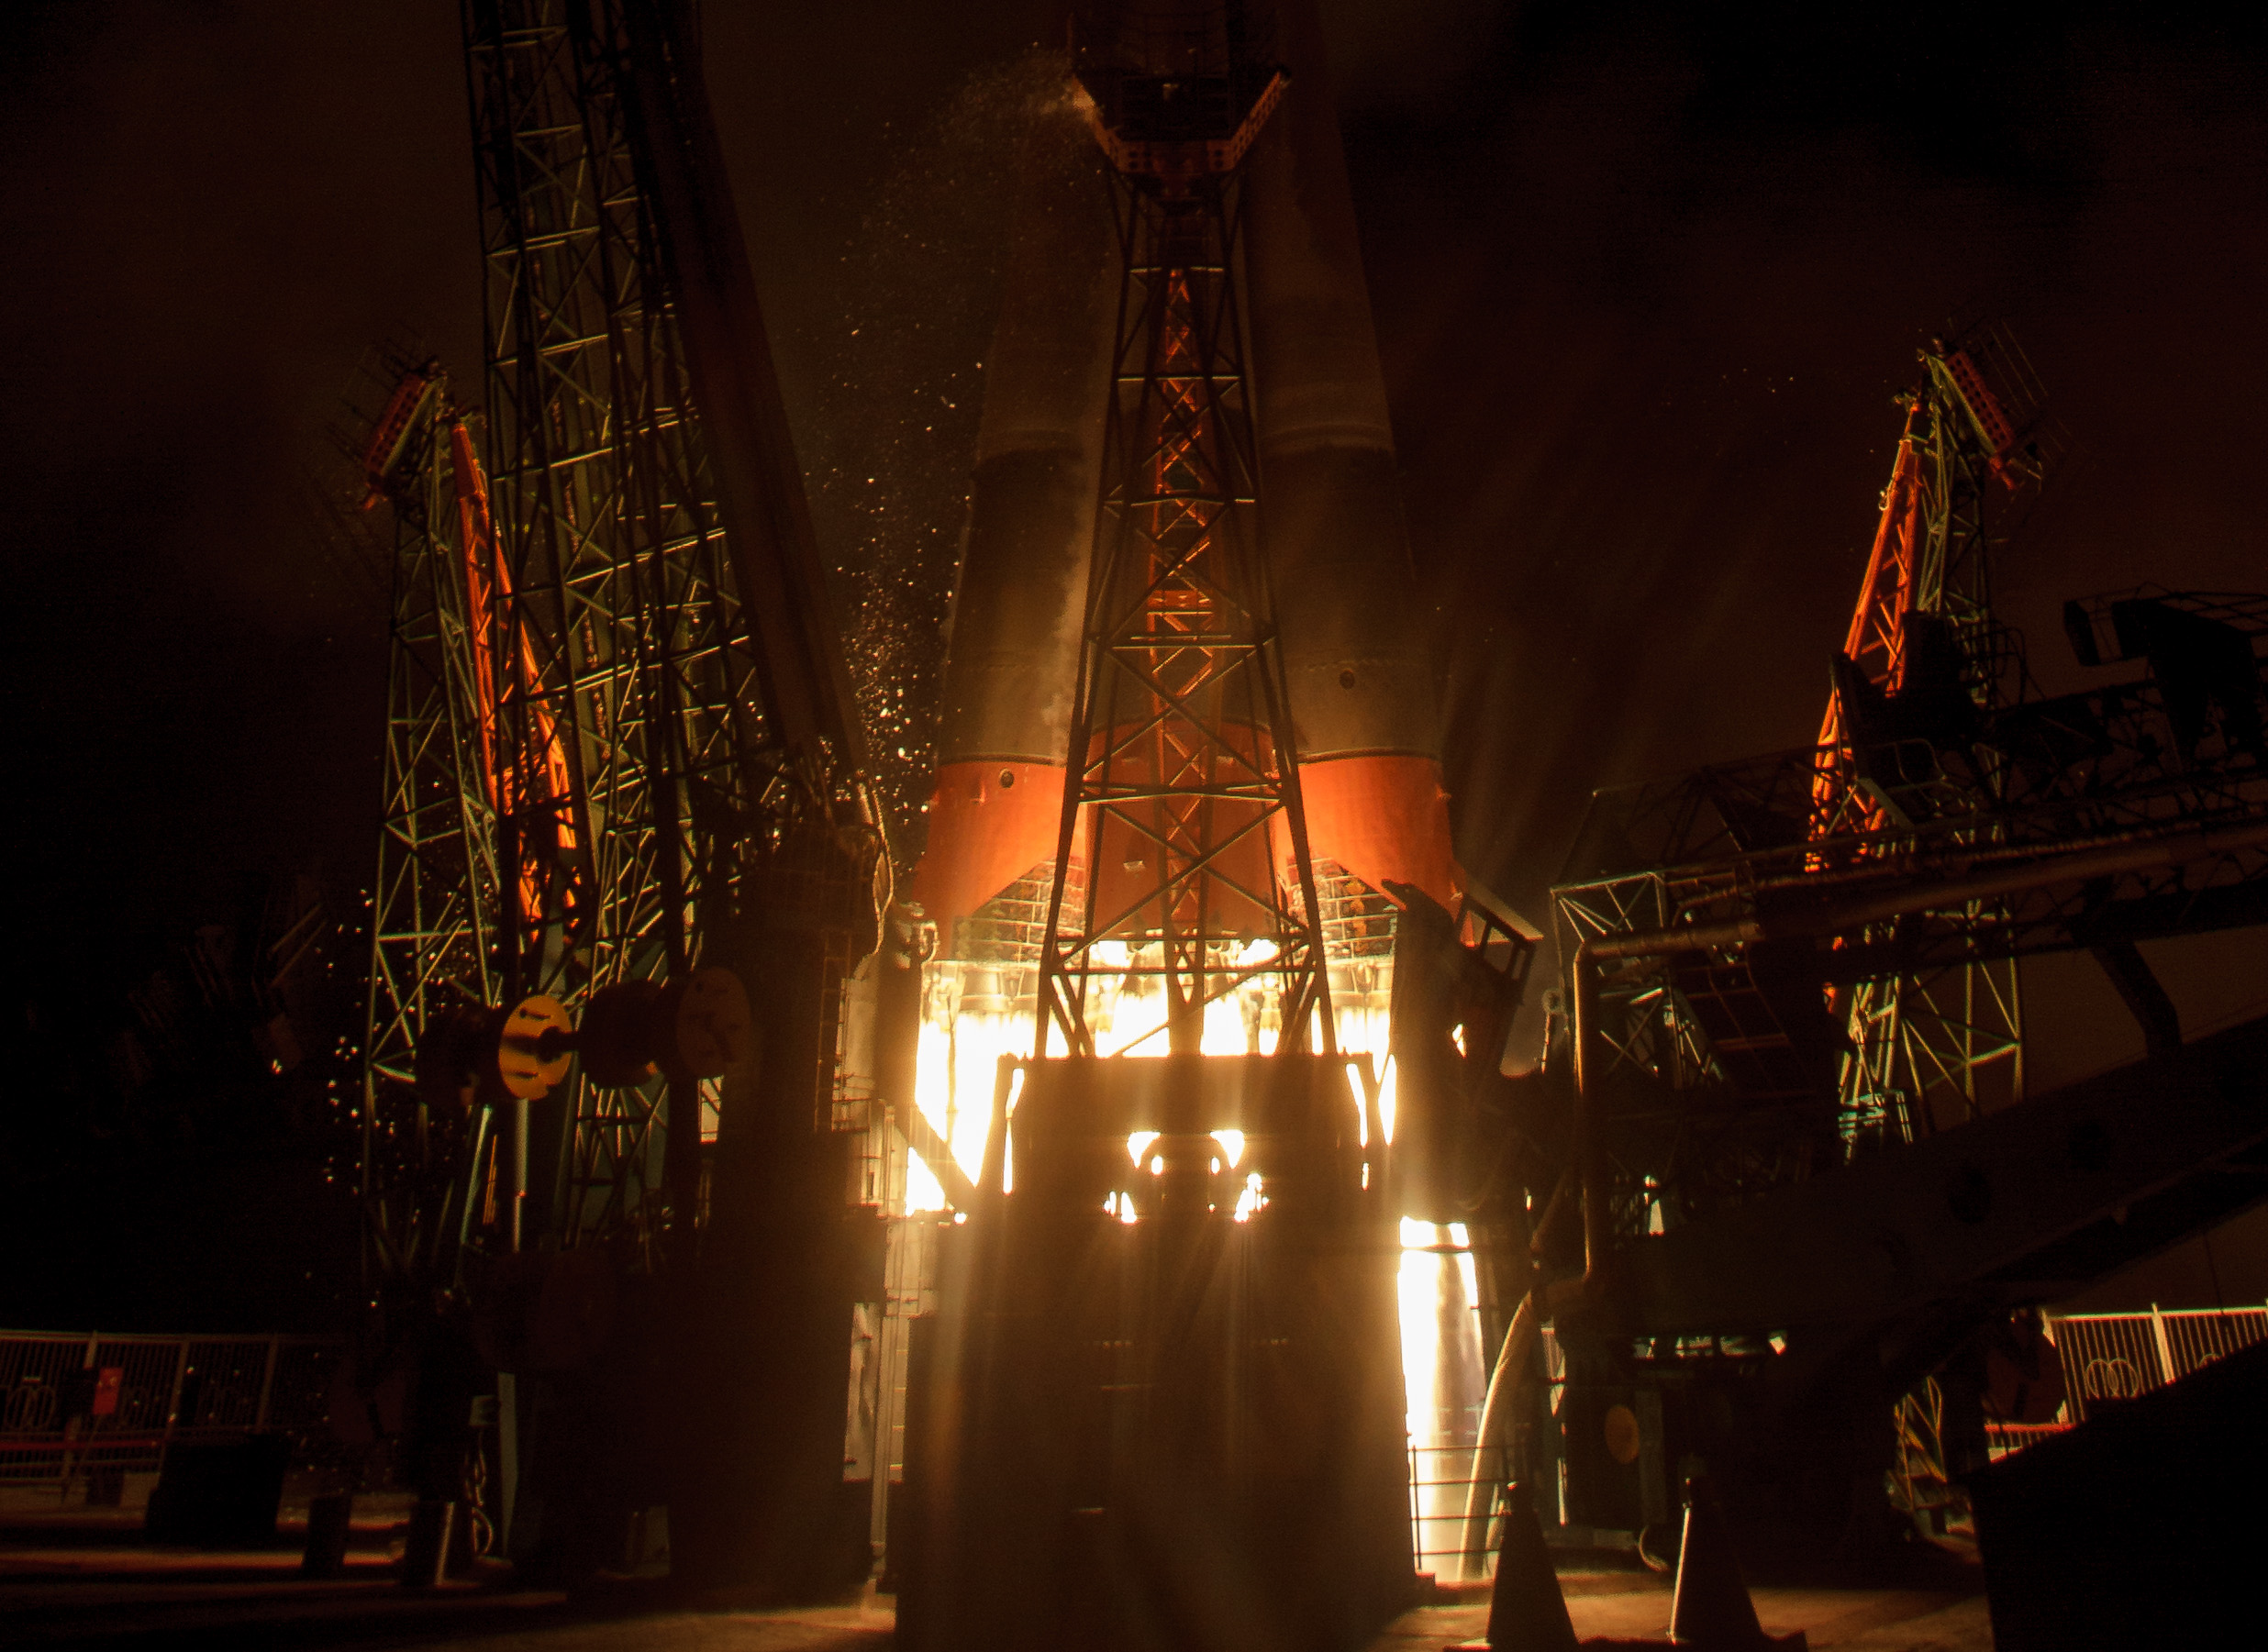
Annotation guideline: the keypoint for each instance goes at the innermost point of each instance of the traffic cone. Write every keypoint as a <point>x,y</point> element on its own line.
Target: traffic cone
<point>1712,1609</point>
<point>1526,1611</point>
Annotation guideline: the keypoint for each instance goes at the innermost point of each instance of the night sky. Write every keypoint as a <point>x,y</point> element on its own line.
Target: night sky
<point>1645,285</point>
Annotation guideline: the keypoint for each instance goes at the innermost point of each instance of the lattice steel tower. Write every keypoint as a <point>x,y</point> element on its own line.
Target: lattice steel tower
<point>434,906</point>
<point>616,743</point>
<point>1176,1310</point>
<point>669,689</point>
<point>1924,664</point>
<point>1182,800</point>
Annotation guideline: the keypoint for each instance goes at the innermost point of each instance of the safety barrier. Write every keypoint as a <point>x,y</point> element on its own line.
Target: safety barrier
<point>2113,1357</point>
<point>78,1403</point>
<point>1441,1478</point>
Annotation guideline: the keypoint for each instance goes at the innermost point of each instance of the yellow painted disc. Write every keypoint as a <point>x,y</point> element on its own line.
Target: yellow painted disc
<point>527,1072</point>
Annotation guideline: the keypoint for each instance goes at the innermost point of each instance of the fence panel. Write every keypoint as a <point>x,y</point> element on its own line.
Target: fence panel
<point>34,1373</point>
<point>2116,1357</point>
<point>220,1387</point>
<point>60,1419</point>
<point>2107,1356</point>
<point>147,1365</point>
<point>299,1393</point>
<point>2199,1337</point>
<point>1440,1480</point>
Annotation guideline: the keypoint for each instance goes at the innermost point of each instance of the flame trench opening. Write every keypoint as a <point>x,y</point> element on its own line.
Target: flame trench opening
<point>979,1003</point>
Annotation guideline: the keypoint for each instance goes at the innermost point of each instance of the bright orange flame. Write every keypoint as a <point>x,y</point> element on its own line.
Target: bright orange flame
<point>973,1013</point>
<point>1442,1380</point>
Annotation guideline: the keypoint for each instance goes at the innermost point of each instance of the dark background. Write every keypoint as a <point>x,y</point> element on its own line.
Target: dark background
<point>1645,283</point>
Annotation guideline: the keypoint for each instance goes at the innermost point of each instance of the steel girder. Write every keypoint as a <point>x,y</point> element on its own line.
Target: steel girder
<point>2114,818</point>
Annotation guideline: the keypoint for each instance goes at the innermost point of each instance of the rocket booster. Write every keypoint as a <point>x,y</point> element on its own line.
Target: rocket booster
<point>1362,685</point>
<point>1012,658</point>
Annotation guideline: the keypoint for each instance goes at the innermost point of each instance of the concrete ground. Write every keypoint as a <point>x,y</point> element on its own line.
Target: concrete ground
<point>347,1616</point>
<point>147,1599</point>
<point>1849,1619</point>
<point>88,1578</point>
<point>1863,1620</point>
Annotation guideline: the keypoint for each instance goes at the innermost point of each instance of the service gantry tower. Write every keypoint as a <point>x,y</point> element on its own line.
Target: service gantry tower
<point>620,755</point>
<point>1924,663</point>
<point>1171,1309</point>
<point>653,527</point>
<point>437,901</point>
<point>1182,804</point>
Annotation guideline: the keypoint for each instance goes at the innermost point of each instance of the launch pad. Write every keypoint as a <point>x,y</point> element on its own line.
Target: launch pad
<point>1161,1401</point>
<point>1189,828</point>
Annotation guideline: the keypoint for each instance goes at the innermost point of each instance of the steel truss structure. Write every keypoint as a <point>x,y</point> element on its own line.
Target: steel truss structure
<point>606,521</point>
<point>621,774</point>
<point>1183,787</point>
<point>587,778</point>
<point>1927,1050</point>
<point>2118,814</point>
<point>435,905</point>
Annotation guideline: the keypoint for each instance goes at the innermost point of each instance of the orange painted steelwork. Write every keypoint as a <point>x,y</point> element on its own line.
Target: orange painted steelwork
<point>1384,818</point>
<point>476,539</point>
<point>384,449</point>
<point>1875,643</point>
<point>488,593</point>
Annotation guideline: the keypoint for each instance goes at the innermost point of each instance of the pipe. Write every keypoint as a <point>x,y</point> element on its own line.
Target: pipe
<point>1495,1422</point>
<point>1503,1387</point>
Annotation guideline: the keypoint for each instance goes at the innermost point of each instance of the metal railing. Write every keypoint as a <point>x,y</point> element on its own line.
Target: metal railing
<point>2112,1356</point>
<point>2116,1357</point>
<point>75,1403</point>
<point>2105,1357</point>
<point>1441,1478</point>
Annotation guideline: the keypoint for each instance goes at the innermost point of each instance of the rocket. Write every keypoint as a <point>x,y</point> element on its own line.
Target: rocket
<point>1361,683</point>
